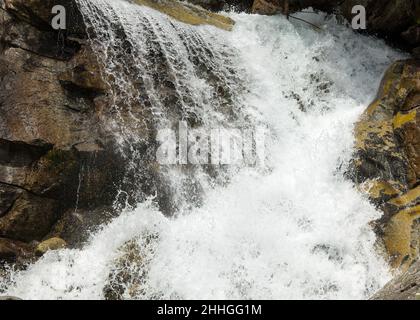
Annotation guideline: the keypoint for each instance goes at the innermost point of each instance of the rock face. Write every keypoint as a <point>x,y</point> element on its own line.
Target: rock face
<point>387,161</point>
<point>55,153</point>
<point>61,168</point>
<point>403,287</point>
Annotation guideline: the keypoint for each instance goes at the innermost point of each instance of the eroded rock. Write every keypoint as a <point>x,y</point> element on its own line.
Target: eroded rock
<point>387,163</point>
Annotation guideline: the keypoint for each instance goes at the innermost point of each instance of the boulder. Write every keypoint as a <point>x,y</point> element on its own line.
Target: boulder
<point>387,160</point>
<point>50,245</point>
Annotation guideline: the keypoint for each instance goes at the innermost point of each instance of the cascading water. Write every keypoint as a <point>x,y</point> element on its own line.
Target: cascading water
<point>293,229</point>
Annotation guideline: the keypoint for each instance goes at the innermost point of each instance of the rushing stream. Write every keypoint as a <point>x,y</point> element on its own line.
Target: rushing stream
<point>291,229</point>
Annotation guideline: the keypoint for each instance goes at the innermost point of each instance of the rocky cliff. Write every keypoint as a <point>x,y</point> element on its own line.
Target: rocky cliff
<point>57,159</point>
<point>61,169</point>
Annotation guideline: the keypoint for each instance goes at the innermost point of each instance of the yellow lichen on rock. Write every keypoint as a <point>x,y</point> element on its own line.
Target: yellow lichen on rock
<point>387,160</point>
<point>401,119</point>
<point>409,198</point>
<point>50,244</point>
<point>378,188</point>
<point>188,13</point>
<point>398,237</point>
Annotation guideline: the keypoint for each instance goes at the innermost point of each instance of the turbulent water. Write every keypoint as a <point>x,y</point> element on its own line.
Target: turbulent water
<point>293,229</point>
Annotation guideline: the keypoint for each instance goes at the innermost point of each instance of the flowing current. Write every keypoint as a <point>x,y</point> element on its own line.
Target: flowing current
<point>292,229</point>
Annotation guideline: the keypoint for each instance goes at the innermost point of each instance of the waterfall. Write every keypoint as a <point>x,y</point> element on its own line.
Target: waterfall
<point>293,228</point>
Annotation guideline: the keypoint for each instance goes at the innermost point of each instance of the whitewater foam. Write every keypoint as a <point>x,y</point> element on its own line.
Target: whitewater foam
<point>295,229</point>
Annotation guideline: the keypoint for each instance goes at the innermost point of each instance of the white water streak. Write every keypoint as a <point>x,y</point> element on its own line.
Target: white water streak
<point>296,231</point>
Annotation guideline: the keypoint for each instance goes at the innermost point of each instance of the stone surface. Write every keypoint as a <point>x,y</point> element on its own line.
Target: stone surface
<point>50,245</point>
<point>61,166</point>
<point>187,13</point>
<point>11,251</point>
<point>403,287</point>
<point>268,7</point>
<point>55,151</point>
<point>387,162</point>
<point>129,270</point>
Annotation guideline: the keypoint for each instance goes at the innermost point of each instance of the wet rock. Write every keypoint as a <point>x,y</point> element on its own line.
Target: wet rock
<point>30,218</point>
<point>126,280</point>
<point>187,13</point>
<point>55,152</point>
<point>50,245</point>
<point>61,167</point>
<point>387,162</point>
<point>11,251</point>
<point>76,225</point>
<point>8,196</point>
<point>403,287</point>
<point>267,7</point>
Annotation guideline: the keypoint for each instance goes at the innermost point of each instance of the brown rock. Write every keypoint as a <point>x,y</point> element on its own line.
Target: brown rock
<point>11,250</point>
<point>50,245</point>
<point>187,13</point>
<point>387,161</point>
<point>130,269</point>
<point>54,152</point>
<point>30,218</point>
<point>268,7</point>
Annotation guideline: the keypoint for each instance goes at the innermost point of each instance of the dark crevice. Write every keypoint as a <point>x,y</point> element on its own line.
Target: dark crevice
<point>76,91</point>
<point>409,287</point>
<point>21,154</point>
<point>9,208</point>
<point>12,45</point>
<point>23,188</point>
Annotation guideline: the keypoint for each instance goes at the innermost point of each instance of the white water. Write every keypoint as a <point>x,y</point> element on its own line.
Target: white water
<point>297,230</point>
